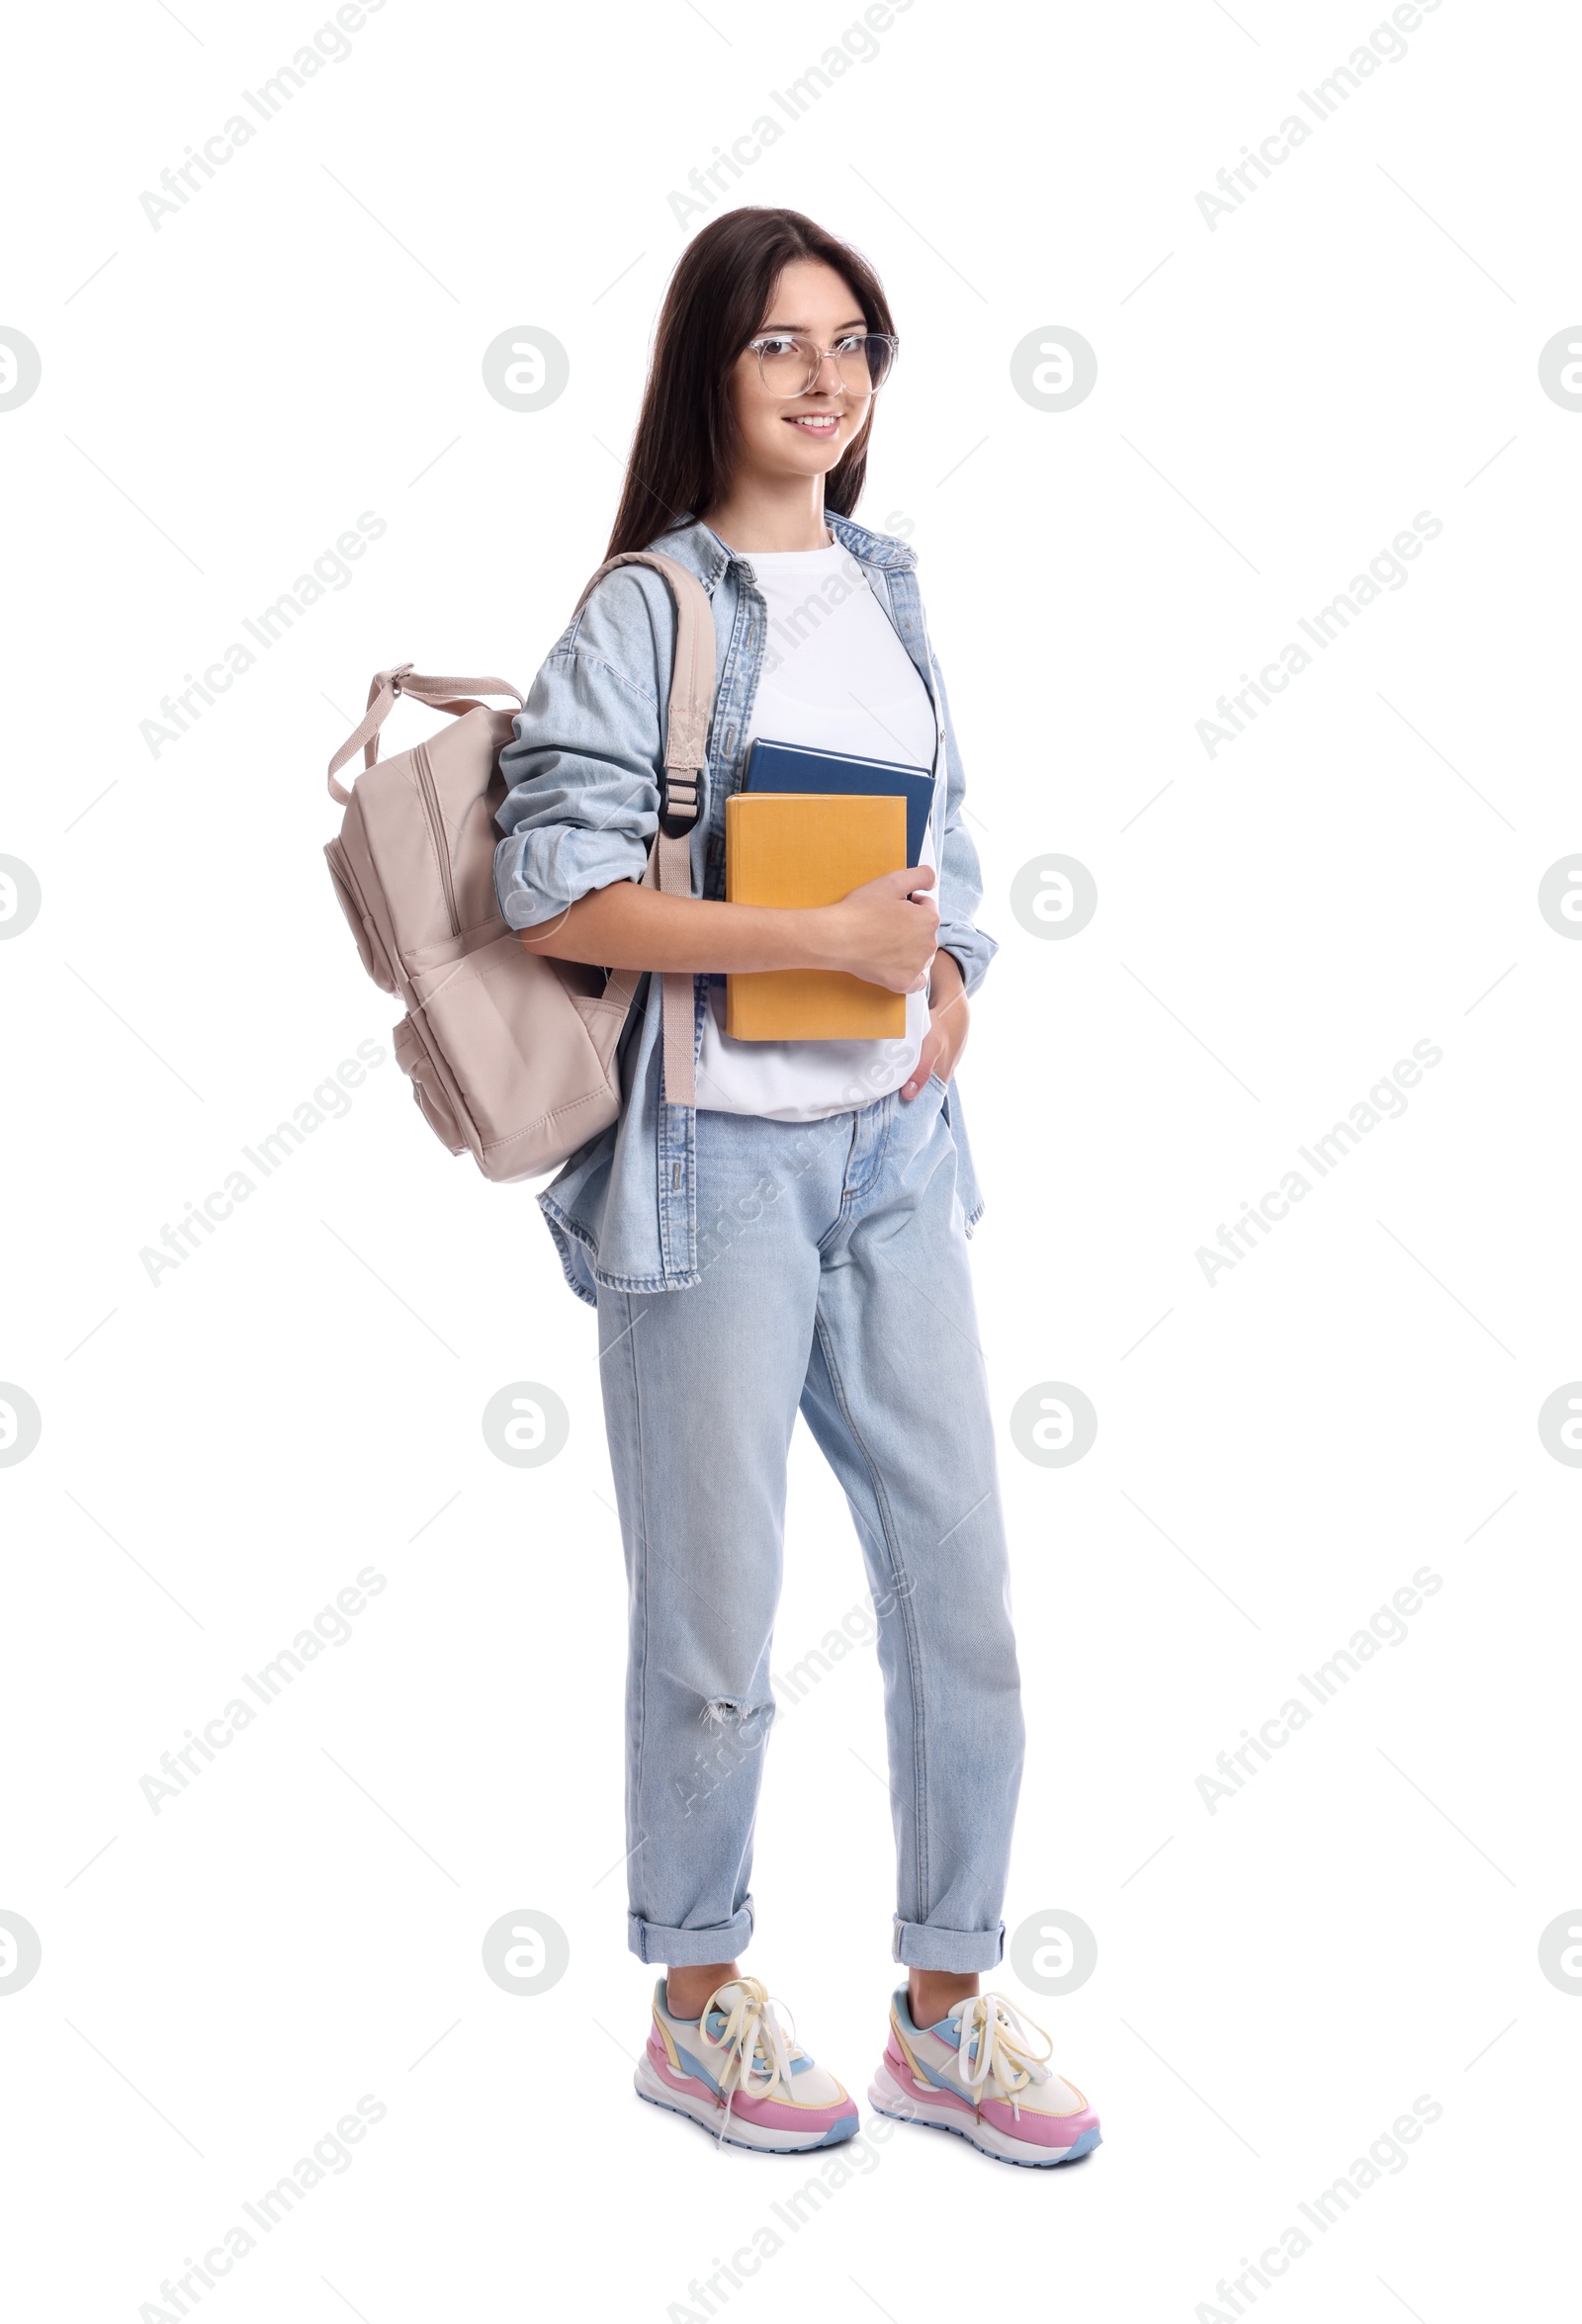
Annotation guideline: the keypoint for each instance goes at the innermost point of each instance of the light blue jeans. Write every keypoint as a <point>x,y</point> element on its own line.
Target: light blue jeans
<point>834,1277</point>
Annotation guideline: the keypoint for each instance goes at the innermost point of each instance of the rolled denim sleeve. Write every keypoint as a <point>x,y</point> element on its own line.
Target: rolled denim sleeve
<point>960,881</point>
<point>582,771</point>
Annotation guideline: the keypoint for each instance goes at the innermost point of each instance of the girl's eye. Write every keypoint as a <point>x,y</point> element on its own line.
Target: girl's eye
<point>774,346</point>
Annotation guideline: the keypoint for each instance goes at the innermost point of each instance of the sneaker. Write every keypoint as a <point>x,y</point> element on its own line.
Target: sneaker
<point>975,2073</point>
<point>736,2071</point>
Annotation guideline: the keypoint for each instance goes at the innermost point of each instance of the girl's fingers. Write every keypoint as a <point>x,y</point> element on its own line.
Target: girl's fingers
<point>928,1056</point>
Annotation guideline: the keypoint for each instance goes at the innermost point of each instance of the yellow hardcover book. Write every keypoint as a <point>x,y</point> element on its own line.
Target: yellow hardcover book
<point>799,849</point>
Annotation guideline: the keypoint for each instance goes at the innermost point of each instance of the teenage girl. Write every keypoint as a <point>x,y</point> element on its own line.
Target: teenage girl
<point>795,1240</point>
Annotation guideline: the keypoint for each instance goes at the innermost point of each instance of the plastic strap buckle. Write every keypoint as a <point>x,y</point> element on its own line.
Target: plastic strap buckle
<point>681,800</point>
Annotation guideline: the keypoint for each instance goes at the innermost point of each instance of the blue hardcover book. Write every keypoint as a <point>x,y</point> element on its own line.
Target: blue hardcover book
<point>788,766</point>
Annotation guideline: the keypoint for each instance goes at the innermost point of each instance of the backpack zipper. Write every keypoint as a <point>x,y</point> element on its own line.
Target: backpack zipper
<point>426,783</point>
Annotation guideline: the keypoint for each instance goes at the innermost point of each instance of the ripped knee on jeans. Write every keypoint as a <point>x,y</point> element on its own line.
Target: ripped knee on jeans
<point>736,1722</point>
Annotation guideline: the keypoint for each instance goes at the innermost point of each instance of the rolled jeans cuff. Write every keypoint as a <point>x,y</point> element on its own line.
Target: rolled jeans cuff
<point>923,1947</point>
<point>690,1948</point>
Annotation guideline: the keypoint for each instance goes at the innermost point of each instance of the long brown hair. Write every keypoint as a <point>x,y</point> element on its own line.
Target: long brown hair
<point>686,442</point>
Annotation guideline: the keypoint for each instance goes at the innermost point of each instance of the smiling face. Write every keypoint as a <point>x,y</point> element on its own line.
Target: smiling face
<point>804,436</point>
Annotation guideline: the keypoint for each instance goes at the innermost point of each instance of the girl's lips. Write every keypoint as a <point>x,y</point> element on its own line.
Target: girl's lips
<point>814,423</point>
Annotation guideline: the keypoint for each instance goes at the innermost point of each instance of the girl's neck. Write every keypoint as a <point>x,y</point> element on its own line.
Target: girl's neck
<point>771,515</point>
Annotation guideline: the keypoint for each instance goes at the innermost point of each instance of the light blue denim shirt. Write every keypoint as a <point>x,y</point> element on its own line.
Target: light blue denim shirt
<point>580,811</point>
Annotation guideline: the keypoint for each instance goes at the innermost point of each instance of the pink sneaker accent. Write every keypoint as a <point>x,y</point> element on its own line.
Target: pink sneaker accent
<point>767,2111</point>
<point>1043,2130</point>
<point>909,2081</point>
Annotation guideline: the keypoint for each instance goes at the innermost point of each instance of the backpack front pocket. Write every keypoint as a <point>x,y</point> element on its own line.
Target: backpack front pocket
<point>433,1099</point>
<point>374,957</point>
<point>519,1050</point>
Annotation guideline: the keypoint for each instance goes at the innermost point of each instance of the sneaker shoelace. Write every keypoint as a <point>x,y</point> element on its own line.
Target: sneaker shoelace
<point>995,2045</point>
<point>752,2043</point>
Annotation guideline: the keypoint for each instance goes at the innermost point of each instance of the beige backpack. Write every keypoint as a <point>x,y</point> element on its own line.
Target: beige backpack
<point>512,1054</point>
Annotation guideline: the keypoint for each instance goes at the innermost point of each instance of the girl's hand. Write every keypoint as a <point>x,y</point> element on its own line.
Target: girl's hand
<point>946,1036</point>
<point>884,931</point>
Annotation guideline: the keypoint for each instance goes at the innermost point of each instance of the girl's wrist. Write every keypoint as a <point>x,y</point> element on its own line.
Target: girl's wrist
<point>945,981</point>
<point>818,937</point>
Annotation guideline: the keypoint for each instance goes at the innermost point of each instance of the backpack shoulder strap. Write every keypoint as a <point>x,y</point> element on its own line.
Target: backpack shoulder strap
<point>686,731</point>
<point>686,734</point>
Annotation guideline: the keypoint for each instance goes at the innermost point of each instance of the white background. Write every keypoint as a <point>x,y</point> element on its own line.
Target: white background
<point>223,1451</point>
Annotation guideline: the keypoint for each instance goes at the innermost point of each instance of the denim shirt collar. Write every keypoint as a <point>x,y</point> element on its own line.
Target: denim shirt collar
<point>693,544</point>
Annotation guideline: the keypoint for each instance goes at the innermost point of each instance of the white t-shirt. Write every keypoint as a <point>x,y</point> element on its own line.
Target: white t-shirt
<point>835,677</point>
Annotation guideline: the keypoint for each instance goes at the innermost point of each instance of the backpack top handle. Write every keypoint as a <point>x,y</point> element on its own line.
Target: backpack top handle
<point>451,694</point>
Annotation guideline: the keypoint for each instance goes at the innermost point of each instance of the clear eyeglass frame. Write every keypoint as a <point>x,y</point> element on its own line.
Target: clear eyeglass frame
<point>868,348</point>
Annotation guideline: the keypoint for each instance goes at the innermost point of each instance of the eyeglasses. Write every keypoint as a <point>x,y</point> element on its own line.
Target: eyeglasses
<point>789,366</point>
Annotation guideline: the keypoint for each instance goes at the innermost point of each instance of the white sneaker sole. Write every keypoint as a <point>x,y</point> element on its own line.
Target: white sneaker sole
<point>886,2096</point>
<point>705,2112</point>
